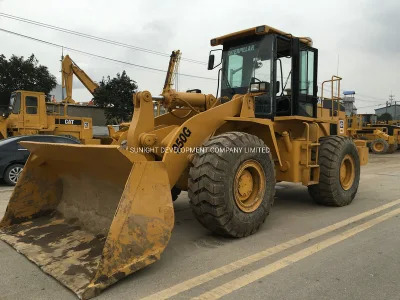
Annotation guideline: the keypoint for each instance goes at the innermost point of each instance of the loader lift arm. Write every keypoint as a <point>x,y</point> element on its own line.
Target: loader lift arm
<point>69,69</point>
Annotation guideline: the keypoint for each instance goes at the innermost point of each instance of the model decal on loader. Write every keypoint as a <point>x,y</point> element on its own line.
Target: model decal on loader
<point>182,139</point>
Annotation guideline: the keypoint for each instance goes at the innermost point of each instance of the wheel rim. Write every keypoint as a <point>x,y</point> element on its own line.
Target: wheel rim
<point>14,174</point>
<point>249,186</point>
<point>347,172</point>
<point>378,146</point>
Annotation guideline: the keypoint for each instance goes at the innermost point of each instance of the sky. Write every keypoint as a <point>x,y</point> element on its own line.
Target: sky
<point>359,39</point>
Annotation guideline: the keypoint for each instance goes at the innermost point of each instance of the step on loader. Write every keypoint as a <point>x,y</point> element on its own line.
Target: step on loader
<point>89,215</point>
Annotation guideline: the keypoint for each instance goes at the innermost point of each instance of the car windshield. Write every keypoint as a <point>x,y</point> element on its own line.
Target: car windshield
<point>246,63</point>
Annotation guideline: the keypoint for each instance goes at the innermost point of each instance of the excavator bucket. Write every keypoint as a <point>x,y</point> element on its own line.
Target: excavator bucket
<point>88,215</point>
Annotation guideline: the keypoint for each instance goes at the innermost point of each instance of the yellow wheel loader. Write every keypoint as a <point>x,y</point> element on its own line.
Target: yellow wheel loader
<point>89,215</point>
<point>381,138</point>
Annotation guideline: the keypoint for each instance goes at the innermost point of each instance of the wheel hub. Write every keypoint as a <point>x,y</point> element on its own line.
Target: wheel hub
<point>245,184</point>
<point>249,186</point>
<point>378,147</point>
<point>14,174</point>
<point>347,172</point>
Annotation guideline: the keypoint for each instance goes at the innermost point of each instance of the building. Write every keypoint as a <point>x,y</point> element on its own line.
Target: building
<point>393,110</point>
<point>57,93</point>
<point>348,103</point>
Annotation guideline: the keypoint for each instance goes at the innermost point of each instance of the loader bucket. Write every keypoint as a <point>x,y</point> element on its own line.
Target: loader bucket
<point>87,215</point>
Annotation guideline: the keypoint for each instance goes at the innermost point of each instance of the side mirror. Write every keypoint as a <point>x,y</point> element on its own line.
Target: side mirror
<point>211,59</point>
<point>277,87</point>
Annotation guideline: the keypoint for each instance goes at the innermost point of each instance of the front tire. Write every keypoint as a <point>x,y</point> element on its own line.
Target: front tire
<point>339,173</point>
<point>231,193</point>
<point>12,174</point>
<point>379,146</point>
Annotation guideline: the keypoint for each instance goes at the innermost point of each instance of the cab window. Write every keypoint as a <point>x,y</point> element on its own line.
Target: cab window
<point>31,104</point>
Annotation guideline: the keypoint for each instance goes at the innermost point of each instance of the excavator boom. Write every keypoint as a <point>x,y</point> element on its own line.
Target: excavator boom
<point>69,69</point>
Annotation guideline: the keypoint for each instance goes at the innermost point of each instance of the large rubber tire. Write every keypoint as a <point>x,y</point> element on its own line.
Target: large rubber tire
<point>329,190</point>
<point>212,179</point>
<point>12,174</point>
<point>384,149</point>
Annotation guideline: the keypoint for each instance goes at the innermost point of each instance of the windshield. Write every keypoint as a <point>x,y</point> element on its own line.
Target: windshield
<point>246,63</point>
<point>15,102</point>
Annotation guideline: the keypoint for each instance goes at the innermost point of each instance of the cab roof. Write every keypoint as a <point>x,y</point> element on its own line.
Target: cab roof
<point>259,30</point>
<point>30,92</point>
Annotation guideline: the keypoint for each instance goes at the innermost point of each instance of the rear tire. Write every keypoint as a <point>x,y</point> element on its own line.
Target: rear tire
<point>379,146</point>
<point>231,193</point>
<point>339,172</point>
<point>12,174</point>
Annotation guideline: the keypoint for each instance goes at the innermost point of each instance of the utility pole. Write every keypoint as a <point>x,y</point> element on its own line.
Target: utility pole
<point>391,98</point>
<point>62,89</point>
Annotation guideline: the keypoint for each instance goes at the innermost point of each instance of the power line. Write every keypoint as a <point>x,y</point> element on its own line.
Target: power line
<point>98,56</point>
<point>96,38</point>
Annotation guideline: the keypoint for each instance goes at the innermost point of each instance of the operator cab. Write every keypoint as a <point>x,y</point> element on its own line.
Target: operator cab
<point>265,59</point>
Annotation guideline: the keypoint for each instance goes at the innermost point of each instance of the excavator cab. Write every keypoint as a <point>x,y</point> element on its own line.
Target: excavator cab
<point>282,66</point>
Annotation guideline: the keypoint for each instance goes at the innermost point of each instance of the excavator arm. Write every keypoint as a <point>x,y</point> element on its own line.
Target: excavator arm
<point>69,69</point>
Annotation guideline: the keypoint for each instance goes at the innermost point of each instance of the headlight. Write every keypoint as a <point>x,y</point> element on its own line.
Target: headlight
<point>258,87</point>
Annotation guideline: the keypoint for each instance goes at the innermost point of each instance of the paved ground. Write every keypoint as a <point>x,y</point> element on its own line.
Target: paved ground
<point>357,259</point>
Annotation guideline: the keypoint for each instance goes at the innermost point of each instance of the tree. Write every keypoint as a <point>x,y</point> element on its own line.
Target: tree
<point>385,117</point>
<point>18,73</point>
<point>115,95</point>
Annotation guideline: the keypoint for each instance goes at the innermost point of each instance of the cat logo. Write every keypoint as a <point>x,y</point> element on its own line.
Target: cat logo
<point>86,125</point>
<point>68,122</point>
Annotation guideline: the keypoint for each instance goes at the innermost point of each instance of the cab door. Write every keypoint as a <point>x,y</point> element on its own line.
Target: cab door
<point>31,111</point>
<point>308,88</point>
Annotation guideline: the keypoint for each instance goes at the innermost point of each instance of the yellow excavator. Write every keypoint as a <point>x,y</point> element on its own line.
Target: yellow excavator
<point>90,215</point>
<point>29,113</point>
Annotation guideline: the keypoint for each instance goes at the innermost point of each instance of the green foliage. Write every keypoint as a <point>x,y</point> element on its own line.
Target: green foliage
<point>18,73</point>
<point>115,95</point>
<point>385,117</point>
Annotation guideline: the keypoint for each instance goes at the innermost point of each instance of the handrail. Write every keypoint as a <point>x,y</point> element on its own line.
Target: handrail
<point>333,97</point>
